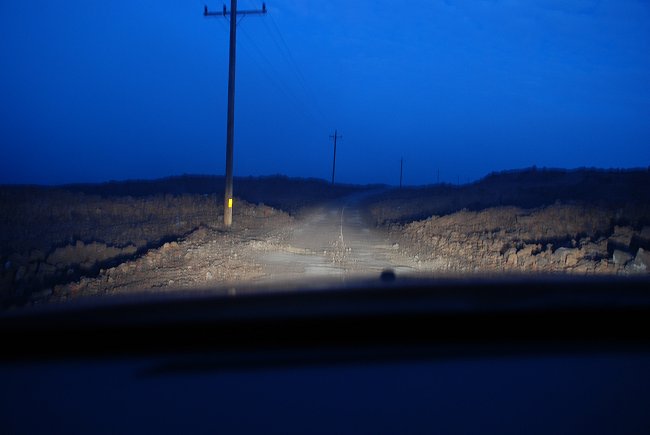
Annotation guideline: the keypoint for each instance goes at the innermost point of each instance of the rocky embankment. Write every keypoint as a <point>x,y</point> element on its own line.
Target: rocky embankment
<point>557,238</point>
<point>51,237</point>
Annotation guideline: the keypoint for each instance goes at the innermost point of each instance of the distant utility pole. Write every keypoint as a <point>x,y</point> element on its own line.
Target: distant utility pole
<point>335,136</point>
<point>401,171</point>
<point>230,127</point>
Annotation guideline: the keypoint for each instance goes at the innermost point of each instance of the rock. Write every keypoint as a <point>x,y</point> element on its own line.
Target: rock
<point>645,233</point>
<point>621,239</point>
<point>595,251</point>
<point>621,257</point>
<point>604,266</point>
<point>567,256</point>
<point>511,257</point>
<point>167,246</point>
<point>560,255</point>
<point>572,258</point>
<point>541,262</point>
<point>526,251</point>
<point>642,260</point>
<point>584,267</point>
<point>530,262</point>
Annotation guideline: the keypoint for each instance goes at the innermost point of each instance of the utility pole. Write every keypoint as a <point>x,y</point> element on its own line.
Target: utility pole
<point>335,136</point>
<point>401,171</point>
<point>230,126</point>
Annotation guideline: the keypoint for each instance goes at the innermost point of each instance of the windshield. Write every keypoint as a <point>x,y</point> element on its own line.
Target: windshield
<point>171,146</point>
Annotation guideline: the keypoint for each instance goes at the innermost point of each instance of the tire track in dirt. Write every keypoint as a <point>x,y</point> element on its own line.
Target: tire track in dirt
<point>336,241</point>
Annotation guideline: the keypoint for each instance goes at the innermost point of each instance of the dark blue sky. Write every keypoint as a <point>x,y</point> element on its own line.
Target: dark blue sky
<point>93,91</point>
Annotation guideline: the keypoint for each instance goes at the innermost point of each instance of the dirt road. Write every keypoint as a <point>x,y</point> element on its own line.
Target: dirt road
<point>331,242</point>
<point>335,240</point>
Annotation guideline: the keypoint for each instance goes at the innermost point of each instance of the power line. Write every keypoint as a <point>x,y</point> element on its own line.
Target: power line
<point>290,57</point>
<point>268,63</point>
<point>286,53</point>
<point>275,77</point>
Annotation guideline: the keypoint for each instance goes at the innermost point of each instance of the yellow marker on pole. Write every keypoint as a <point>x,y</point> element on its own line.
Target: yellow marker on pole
<point>229,202</point>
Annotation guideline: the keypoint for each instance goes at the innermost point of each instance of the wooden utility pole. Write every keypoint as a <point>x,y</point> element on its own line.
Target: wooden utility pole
<point>335,136</point>
<point>401,171</point>
<point>230,127</point>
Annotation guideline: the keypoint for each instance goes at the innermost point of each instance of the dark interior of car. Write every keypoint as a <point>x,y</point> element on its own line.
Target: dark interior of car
<point>507,355</point>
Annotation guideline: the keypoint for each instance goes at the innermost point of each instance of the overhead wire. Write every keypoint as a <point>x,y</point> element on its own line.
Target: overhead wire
<point>224,23</point>
<point>313,108</point>
<point>271,73</point>
<point>286,53</point>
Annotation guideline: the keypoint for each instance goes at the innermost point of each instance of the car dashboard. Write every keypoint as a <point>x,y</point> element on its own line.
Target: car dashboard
<point>508,355</point>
